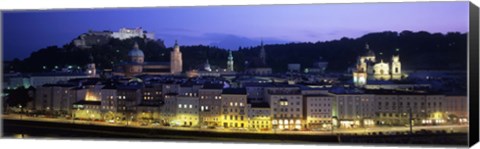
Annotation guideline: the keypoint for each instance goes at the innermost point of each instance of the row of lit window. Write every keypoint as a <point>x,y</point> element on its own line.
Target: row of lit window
<point>215,97</point>
<point>286,122</point>
<point>233,117</point>
<point>185,106</point>
<point>259,122</point>
<point>286,103</point>
<point>191,94</point>
<point>148,98</point>
<point>236,104</point>
<point>202,108</point>
<point>108,107</point>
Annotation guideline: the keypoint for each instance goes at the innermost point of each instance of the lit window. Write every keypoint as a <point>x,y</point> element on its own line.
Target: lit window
<point>179,105</point>
<point>241,104</point>
<point>236,104</point>
<point>190,106</point>
<point>231,104</point>
<point>185,106</point>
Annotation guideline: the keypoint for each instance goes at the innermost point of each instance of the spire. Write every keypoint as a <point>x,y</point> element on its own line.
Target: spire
<point>263,54</point>
<point>230,57</point>
<point>176,47</point>
<point>135,46</point>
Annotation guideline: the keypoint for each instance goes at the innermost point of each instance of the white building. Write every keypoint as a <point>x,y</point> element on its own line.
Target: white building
<point>126,33</point>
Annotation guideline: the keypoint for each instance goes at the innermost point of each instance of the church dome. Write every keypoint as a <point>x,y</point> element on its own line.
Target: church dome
<point>135,52</point>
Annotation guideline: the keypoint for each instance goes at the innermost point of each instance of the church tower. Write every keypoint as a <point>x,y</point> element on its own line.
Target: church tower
<point>396,66</point>
<point>263,55</point>
<point>176,65</point>
<point>207,67</point>
<point>230,61</point>
<point>91,70</point>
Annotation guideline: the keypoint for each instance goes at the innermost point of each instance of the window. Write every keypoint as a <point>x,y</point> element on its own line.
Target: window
<point>179,105</point>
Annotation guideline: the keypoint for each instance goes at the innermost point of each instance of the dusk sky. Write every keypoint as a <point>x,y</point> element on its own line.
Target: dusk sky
<point>231,26</point>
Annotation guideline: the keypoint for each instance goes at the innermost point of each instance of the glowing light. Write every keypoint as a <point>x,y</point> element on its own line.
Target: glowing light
<point>91,96</point>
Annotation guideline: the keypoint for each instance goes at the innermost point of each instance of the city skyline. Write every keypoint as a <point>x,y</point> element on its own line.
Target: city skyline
<point>234,26</point>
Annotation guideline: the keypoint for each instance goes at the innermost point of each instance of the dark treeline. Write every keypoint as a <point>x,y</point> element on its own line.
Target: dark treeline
<point>418,50</point>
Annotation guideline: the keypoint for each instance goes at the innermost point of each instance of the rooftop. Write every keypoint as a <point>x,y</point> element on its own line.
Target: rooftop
<point>235,91</point>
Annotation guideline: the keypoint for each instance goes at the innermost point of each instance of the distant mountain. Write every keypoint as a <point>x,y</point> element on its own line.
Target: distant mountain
<point>233,42</point>
<point>418,50</point>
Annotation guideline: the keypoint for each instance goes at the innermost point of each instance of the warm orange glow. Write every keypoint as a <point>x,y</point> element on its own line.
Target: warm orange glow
<point>91,96</point>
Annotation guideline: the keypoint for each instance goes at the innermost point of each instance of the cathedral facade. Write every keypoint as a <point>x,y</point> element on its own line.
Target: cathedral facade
<point>136,64</point>
<point>368,68</point>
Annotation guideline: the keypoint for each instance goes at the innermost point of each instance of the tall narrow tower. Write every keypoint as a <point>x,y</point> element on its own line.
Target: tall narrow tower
<point>396,65</point>
<point>263,55</point>
<point>91,70</point>
<point>230,61</point>
<point>176,65</point>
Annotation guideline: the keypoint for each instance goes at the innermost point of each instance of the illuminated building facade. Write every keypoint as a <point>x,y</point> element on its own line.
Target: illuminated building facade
<point>234,108</point>
<point>318,111</point>
<point>126,33</point>
<point>169,109</point>
<point>210,104</point>
<point>287,111</point>
<point>367,68</point>
<point>137,66</point>
<point>353,110</point>
<point>187,113</point>
<point>55,98</point>
<point>259,116</point>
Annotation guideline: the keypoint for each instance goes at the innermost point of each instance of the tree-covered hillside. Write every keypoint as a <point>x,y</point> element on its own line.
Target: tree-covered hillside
<point>418,50</point>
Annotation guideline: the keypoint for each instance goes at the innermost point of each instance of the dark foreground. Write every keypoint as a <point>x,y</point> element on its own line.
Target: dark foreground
<point>35,129</point>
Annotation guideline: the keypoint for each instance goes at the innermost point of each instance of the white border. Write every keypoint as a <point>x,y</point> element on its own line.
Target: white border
<point>12,5</point>
<point>63,4</point>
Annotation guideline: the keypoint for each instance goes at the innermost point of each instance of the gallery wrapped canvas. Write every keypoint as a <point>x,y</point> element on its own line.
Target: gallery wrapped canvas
<point>359,73</point>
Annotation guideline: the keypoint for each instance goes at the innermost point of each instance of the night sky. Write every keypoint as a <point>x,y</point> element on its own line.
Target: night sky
<point>231,26</point>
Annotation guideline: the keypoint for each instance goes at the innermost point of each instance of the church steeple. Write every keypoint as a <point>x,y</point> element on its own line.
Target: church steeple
<point>230,61</point>
<point>207,66</point>
<point>176,47</point>
<point>176,62</point>
<point>135,46</point>
<point>263,54</point>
